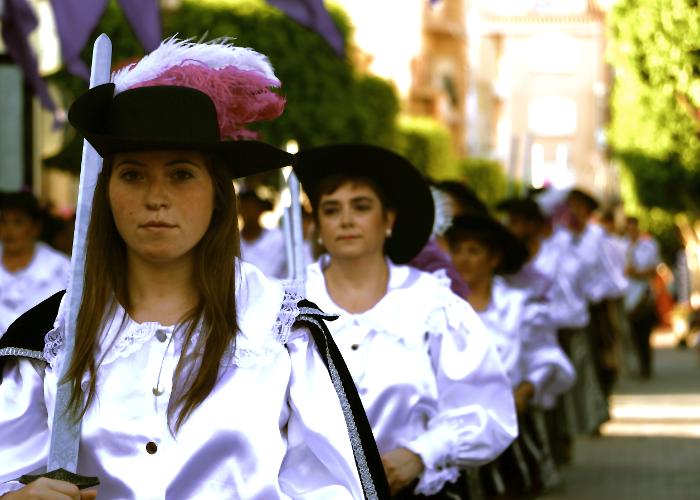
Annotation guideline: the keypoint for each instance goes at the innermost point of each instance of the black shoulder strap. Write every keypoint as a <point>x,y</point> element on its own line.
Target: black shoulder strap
<point>25,336</point>
<point>367,458</point>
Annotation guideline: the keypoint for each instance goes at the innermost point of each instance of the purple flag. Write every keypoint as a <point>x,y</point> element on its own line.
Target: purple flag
<point>18,21</point>
<point>144,18</point>
<point>313,15</point>
<point>76,20</point>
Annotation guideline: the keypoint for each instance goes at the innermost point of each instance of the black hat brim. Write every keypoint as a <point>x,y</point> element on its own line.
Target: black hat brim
<point>514,253</point>
<point>525,207</point>
<point>406,188</point>
<point>245,157</point>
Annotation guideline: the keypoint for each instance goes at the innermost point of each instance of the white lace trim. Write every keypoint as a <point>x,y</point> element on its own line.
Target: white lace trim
<point>53,345</point>
<point>289,311</point>
<point>54,340</point>
<point>247,352</point>
<point>135,336</point>
<point>447,316</point>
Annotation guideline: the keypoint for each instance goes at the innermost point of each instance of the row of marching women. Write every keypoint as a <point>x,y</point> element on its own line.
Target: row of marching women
<point>547,284</point>
<point>430,353</point>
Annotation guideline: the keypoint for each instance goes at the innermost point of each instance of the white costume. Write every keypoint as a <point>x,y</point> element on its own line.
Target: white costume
<point>604,278</point>
<point>558,262</point>
<point>271,428</point>
<point>527,343</point>
<point>267,253</point>
<point>427,373</point>
<point>47,273</point>
<point>642,256</point>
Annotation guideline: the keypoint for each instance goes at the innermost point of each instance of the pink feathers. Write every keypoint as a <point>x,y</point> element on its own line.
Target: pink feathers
<point>238,80</point>
<point>241,96</point>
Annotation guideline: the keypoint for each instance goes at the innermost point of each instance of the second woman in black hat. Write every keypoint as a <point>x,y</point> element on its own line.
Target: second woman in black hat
<point>431,382</point>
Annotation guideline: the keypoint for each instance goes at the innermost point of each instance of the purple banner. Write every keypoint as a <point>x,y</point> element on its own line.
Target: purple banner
<point>77,19</point>
<point>18,21</point>
<point>313,15</point>
<point>144,19</point>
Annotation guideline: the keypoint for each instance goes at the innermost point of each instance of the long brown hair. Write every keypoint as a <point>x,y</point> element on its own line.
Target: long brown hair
<point>106,286</point>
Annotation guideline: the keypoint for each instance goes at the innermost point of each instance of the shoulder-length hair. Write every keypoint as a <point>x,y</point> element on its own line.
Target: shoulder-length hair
<point>106,286</point>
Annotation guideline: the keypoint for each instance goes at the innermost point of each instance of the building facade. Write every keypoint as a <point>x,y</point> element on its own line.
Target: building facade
<point>538,90</point>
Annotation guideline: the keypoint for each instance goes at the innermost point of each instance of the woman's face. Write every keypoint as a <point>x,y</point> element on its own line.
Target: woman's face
<point>162,202</point>
<point>353,222</point>
<point>18,231</point>
<point>474,261</point>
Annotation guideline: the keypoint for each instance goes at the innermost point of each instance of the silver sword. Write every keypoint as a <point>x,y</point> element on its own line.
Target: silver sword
<point>65,433</point>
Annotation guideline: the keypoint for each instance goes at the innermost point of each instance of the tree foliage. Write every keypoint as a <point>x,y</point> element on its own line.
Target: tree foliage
<point>327,99</point>
<point>654,132</point>
<point>486,177</point>
<point>426,143</point>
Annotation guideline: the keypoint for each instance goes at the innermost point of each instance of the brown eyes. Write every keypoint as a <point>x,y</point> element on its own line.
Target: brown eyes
<point>360,207</point>
<point>178,175</point>
<point>129,175</point>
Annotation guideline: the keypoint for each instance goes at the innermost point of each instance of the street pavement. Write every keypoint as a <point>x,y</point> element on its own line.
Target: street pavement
<point>650,450</point>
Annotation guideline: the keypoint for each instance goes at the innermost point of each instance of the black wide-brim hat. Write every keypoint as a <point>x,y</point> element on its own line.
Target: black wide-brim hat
<point>524,207</point>
<point>585,197</point>
<point>164,118</point>
<point>407,190</point>
<point>514,253</point>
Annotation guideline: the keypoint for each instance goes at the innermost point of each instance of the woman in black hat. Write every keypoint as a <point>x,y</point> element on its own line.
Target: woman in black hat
<point>434,390</point>
<point>30,270</point>
<point>194,376</point>
<point>483,250</point>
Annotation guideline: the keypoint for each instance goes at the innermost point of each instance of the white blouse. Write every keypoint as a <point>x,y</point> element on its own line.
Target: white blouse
<point>47,273</point>
<point>271,428</point>
<point>267,253</point>
<point>427,373</point>
<point>527,343</point>
<point>604,279</point>
<point>642,256</point>
<point>557,261</point>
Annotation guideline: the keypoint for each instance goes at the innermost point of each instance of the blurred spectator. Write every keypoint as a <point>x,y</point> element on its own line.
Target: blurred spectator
<point>30,270</point>
<point>262,247</point>
<point>604,285</point>
<point>642,259</point>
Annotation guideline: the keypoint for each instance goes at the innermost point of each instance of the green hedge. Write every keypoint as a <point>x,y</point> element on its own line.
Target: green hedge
<point>327,99</point>
<point>426,142</point>
<point>486,177</point>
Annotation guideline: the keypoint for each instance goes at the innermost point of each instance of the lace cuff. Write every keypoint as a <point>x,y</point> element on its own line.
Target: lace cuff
<point>434,447</point>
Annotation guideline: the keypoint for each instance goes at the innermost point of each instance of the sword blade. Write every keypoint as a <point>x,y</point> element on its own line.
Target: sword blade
<point>65,433</point>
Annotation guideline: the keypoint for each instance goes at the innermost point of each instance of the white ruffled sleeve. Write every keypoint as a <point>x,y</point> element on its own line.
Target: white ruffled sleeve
<point>24,432</point>
<point>319,462</point>
<point>476,417</point>
<point>543,362</point>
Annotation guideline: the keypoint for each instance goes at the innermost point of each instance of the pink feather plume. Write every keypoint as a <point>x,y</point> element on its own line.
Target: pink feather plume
<point>241,96</point>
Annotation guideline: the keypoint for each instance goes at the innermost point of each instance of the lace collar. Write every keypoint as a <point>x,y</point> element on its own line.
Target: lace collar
<point>406,310</point>
<point>267,312</point>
